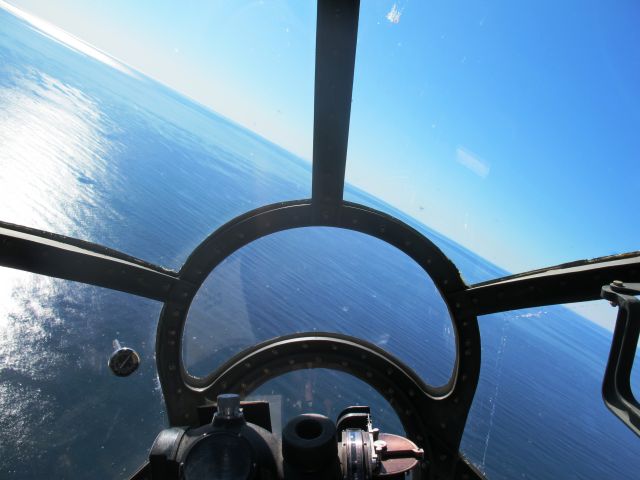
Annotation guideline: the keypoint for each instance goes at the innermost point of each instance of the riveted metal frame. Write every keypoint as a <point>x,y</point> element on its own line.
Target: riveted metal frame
<point>185,392</point>
<point>433,423</point>
<point>446,407</point>
<point>579,281</point>
<point>54,255</point>
<point>72,259</point>
<point>63,257</point>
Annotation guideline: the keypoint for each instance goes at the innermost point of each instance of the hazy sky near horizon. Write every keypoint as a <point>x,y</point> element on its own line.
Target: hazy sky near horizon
<point>510,128</point>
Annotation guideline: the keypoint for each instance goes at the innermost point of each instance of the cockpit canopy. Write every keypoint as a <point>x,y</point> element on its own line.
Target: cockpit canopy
<point>378,175</point>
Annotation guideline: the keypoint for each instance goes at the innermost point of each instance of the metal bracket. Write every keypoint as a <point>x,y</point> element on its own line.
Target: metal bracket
<point>616,386</point>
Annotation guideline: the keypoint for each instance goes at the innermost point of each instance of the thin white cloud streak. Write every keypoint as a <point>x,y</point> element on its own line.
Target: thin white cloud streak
<point>473,162</point>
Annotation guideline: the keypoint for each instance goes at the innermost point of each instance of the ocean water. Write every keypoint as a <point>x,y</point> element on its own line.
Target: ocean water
<point>103,153</point>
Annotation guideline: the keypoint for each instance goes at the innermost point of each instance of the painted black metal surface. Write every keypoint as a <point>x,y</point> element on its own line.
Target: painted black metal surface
<point>440,412</point>
<point>433,421</point>
<point>184,393</point>
<point>616,386</point>
<point>63,257</point>
<point>573,282</point>
<point>336,34</point>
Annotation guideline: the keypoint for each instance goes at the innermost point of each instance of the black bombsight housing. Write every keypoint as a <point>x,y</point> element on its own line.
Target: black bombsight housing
<point>312,447</point>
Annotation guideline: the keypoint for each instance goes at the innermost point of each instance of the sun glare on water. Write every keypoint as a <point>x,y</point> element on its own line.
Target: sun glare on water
<point>53,151</point>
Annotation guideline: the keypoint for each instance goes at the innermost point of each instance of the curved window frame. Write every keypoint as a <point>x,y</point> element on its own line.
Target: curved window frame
<point>63,257</point>
<point>290,324</point>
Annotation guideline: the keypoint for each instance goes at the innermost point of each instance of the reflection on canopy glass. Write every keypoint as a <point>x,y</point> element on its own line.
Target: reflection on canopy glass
<point>326,392</point>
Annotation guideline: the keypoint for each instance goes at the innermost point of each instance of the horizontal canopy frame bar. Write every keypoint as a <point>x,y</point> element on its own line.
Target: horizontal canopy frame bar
<point>571,282</point>
<point>57,256</point>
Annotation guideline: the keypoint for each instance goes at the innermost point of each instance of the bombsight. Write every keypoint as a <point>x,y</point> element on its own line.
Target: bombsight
<point>238,444</point>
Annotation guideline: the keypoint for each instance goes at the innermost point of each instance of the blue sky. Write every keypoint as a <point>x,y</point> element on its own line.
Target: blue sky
<point>509,127</point>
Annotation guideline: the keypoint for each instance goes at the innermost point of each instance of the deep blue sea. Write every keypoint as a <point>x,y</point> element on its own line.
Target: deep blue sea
<point>98,151</point>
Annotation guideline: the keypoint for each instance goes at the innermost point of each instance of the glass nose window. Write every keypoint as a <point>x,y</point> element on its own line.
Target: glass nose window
<point>97,150</point>
<point>538,410</point>
<point>326,392</point>
<point>63,411</point>
<point>322,279</point>
<point>510,129</point>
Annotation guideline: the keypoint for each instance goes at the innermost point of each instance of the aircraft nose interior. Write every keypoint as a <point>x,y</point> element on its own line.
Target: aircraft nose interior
<point>432,417</point>
<point>266,353</point>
